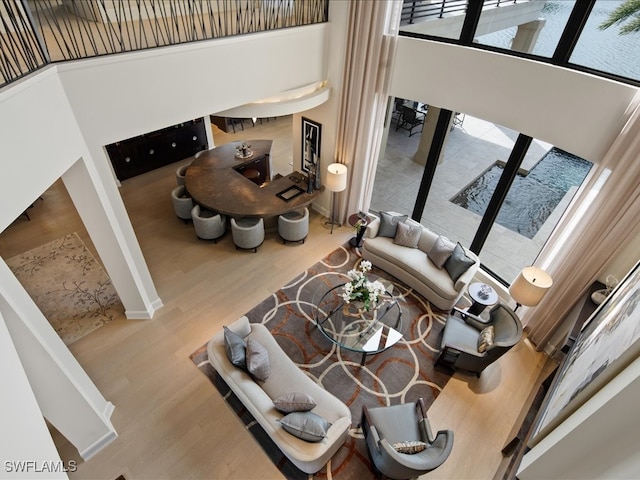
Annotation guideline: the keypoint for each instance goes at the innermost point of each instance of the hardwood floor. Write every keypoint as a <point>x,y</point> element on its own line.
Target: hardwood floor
<point>172,423</point>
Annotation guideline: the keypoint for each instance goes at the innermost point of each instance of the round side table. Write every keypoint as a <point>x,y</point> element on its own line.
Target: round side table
<point>356,242</point>
<point>483,296</point>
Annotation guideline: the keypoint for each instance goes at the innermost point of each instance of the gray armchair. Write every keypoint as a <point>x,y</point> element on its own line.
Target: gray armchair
<point>247,233</point>
<point>180,173</point>
<point>294,226</point>
<point>208,225</point>
<point>182,203</point>
<point>385,426</point>
<point>460,338</point>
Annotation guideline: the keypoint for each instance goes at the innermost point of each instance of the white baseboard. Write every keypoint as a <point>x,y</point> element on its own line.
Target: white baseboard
<point>97,446</point>
<point>144,314</point>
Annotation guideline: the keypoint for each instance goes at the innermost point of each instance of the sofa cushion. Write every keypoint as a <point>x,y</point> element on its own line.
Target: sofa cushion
<point>458,263</point>
<point>407,235</point>
<point>306,426</point>
<point>235,346</point>
<point>257,360</point>
<point>441,251</point>
<point>459,335</point>
<point>389,224</point>
<point>294,402</point>
<point>414,262</point>
<point>285,377</point>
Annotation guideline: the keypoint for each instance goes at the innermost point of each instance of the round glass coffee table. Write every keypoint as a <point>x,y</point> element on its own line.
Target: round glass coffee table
<point>359,331</point>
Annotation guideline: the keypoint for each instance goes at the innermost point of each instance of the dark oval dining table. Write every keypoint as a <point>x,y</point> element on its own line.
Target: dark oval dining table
<point>215,181</point>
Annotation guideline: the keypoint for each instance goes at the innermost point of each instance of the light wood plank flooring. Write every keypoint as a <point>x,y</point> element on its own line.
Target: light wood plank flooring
<point>172,423</point>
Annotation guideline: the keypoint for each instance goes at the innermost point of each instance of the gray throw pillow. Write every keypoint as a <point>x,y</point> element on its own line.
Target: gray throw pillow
<point>458,263</point>
<point>235,346</point>
<point>410,447</point>
<point>407,235</point>
<point>486,339</point>
<point>258,364</point>
<point>389,224</point>
<point>294,402</point>
<point>306,426</point>
<point>441,251</point>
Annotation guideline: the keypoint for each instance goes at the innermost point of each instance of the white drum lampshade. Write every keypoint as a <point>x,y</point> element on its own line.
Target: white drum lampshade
<point>336,177</point>
<point>336,181</point>
<point>530,286</point>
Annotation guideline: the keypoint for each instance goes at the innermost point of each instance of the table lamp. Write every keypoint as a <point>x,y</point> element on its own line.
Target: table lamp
<point>336,181</point>
<point>530,286</point>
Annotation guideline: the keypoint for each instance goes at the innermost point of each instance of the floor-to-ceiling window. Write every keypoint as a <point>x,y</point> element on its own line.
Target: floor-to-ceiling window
<point>497,191</point>
<point>604,49</point>
<point>477,156</point>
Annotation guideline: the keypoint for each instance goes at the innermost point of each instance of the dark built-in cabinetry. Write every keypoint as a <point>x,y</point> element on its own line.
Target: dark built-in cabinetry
<point>146,152</point>
<point>256,170</point>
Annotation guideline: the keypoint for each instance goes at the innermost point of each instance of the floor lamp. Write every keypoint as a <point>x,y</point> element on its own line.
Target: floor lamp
<point>336,181</point>
<point>530,286</point>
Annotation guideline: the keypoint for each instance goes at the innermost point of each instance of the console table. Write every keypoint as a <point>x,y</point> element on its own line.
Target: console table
<point>218,180</point>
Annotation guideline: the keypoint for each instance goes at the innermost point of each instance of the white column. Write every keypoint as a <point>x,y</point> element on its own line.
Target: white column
<point>426,138</point>
<point>25,442</point>
<point>103,214</point>
<point>207,126</point>
<point>66,395</point>
<point>527,36</point>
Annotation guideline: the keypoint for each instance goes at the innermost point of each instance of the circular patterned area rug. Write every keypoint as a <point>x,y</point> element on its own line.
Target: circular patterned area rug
<point>401,374</point>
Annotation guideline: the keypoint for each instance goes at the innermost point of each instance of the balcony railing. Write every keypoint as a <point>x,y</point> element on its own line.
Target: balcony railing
<point>414,11</point>
<point>34,33</point>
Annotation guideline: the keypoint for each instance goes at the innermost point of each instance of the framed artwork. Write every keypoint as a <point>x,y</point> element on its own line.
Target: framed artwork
<point>310,145</point>
<point>607,343</point>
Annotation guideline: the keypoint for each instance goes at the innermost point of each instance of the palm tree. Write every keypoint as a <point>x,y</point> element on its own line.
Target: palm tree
<point>629,10</point>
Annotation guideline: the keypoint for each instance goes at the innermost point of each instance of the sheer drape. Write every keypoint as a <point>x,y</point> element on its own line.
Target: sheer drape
<point>602,219</point>
<point>371,39</point>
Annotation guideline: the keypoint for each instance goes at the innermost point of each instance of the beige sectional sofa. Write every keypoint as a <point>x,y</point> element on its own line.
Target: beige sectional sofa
<point>285,378</point>
<point>414,267</point>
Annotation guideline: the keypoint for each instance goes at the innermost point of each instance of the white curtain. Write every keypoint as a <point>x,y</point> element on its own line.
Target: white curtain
<point>602,219</point>
<point>371,39</point>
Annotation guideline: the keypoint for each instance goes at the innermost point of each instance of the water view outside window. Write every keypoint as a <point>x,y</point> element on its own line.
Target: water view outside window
<point>556,14</point>
<point>607,50</point>
<point>603,50</point>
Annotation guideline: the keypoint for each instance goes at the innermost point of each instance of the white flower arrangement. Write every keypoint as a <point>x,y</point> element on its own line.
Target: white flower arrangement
<point>359,289</point>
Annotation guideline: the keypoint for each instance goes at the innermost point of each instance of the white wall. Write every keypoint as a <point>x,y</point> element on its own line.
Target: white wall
<point>66,395</point>
<point>599,440</point>
<point>125,95</point>
<point>20,415</point>
<point>579,113</point>
<point>39,140</point>
<point>55,124</point>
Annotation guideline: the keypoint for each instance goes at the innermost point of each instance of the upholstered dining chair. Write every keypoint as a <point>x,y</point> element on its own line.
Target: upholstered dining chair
<point>467,343</point>
<point>208,225</point>
<point>385,428</point>
<point>410,119</point>
<point>247,233</point>
<point>182,203</point>
<point>180,173</point>
<point>294,226</point>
